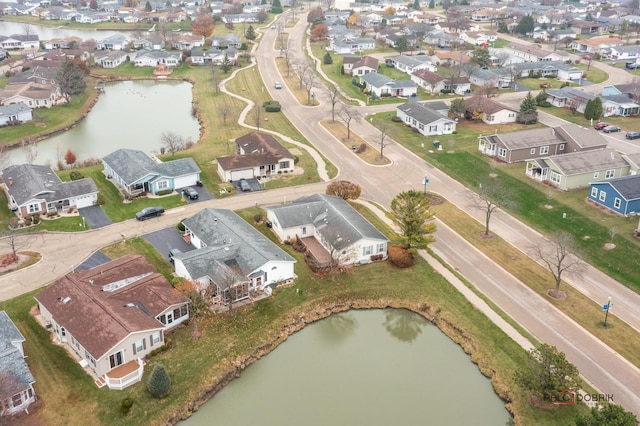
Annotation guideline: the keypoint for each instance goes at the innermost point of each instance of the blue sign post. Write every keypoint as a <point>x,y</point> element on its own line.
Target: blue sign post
<point>426,181</point>
<point>606,309</point>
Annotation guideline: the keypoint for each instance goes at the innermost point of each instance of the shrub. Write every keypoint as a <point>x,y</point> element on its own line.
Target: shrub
<point>385,95</point>
<point>396,119</point>
<point>100,200</point>
<point>75,175</point>
<point>181,227</point>
<point>159,381</point>
<point>415,130</point>
<point>164,192</point>
<point>362,148</point>
<point>125,405</point>
<point>400,256</point>
<point>35,218</point>
<point>272,106</point>
<point>446,91</point>
<point>545,104</point>
<point>258,218</point>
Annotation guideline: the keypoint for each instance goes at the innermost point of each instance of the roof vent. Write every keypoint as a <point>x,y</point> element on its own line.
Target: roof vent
<point>91,282</point>
<point>66,300</point>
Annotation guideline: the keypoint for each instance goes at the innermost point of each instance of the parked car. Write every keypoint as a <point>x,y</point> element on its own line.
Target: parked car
<point>190,193</point>
<point>632,65</point>
<point>632,135</point>
<point>149,212</point>
<point>244,185</point>
<point>601,125</point>
<point>611,129</point>
<point>277,85</point>
<point>173,253</point>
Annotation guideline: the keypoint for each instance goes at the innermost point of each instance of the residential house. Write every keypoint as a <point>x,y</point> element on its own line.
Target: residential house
<point>428,121</point>
<point>257,155</point>
<point>16,392</point>
<point>499,77</point>
<point>569,97</point>
<point>110,58</point>
<point>561,34</point>
<point>634,162</point>
<point>491,111</point>
<point>619,105</point>
<point>215,56</point>
<point>381,85</point>
<point>153,58</point>
<point>351,44</point>
<point>61,43</point>
<point>20,42</point>
<point>111,316</point>
<point>15,114</point>
<point>410,64</point>
<point>33,189</point>
<point>479,38</point>
<point>525,145</point>
<point>599,45</point>
<point>187,41</point>
<point>435,83</point>
<point>624,53</point>
<point>450,58</point>
<point>113,42</point>
<point>578,169</point>
<point>232,258</point>
<point>330,229</point>
<point>483,15</point>
<point>588,27</point>
<point>550,69</point>
<point>359,65</point>
<point>531,53</point>
<point>226,40</point>
<point>239,18</point>
<point>620,195</point>
<point>439,38</point>
<point>32,94</point>
<point>150,42</point>
<point>135,173</point>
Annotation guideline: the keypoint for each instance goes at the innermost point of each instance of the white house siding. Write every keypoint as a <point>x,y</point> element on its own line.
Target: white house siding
<point>366,248</point>
<point>570,74</point>
<point>501,117</point>
<point>84,200</point>
<point>103,365</point>
<point>182,181</point>
<point>277,271</point>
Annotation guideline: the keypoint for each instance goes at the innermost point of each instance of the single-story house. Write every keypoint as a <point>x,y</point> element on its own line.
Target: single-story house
<point>15,114</point>
<point>32,94</point>
<point>631,52</point>
<point>153,58</point>
<point>232,258</point>
<point>531,53</point>
<point>442,57</point>
<point>587,27</point>
<point>351,44</point>
<point>435,83</point>
<point>479,38</point>
<point>599,45</point>
<point>410,64</point>
<point>525,145</point>
<point>578,169</point>
<point>34,189</point>
<point>20,41</point>
<point>257,155</point>
<point>619,105</point>
<point>500,77</point>
<point>16,389</point>
<point>492,112</point>
<point>426,120</point>
<point>226,40</point>
<point>329,222</point>
<point>569,97</point>
<point>621,195</point>
<point>110,58</point>
<point>113,42</point>
<point>359,65</point>
<point>439,38</point>
<point>188,41</point>
<point>135,173</point>
<point>111,316</point>
<point>550,69</point>
<point>379,84</point>
<point>150,42</point>
<point>634,162</point>
<point>216,56</point>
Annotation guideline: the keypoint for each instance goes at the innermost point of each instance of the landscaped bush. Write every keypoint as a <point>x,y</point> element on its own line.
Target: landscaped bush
<point>75,175</point>
<point>159,381</point>
<point>400,256</point>
<point>385,95</point>
<point>100,200</point>
<point>446,91</point>
<point>415,130</point>
<point>545,104</point>
<point>258,218</point>
<point>362,148</point>
<point>396,119</point>
<point>164,192</point>
<point>272,106</point>
<point>125,405</point>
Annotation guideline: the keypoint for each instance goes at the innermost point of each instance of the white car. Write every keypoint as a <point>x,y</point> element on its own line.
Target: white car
<point>277,85</point>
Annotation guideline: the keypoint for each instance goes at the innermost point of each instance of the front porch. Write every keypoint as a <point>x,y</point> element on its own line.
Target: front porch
<point>123,375</point>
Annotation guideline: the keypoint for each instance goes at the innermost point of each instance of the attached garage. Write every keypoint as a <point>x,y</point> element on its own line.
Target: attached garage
<point>187,180</point>
<point>240,174</point>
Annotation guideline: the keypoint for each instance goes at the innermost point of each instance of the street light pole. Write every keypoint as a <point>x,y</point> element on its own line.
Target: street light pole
<point>606,309</point>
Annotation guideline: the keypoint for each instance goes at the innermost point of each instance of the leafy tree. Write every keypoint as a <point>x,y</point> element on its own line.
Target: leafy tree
<point>588,110</point>
<point>327,59</point>
<point>432,4</point>
<point>608,415</point>
<point>71,80</point>
<point>416,4</point>
<point>251,33</point>
<point>547,372</point>
<point>541,97</point>
<point>502,28</point>
<point>225,66</point>
<point>402,44</point>
<point>528,110</point>
<point>458,107</point>
<point>315,14</point>
<point>410,211</point>
<point>203,25</point>
<point>597,108</point>
<point>159,381</point>
<point>147,7</point>
<point>319,32</point>
<point>481,56</point>
<point>525,26</point>
<point>69,157</point>
<point>344,189</point>
<point>276,7</point>
<point>588,17</point>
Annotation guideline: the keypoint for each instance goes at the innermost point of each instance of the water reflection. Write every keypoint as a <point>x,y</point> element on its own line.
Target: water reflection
<point>337,328</point>
<point>404,325</point>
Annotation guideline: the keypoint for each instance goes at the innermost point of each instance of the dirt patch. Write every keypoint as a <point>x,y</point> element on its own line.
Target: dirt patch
<point>24,259</point>
<point>609,246</point>
<point>485,236</point>
<point>41,124</point>
<point>556,294</point>
<point>435,200</point>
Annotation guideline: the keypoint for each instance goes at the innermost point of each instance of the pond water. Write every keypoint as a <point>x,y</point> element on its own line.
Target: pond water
<point>129,114</point>
<point>377,367</point>
<point>48,33</point>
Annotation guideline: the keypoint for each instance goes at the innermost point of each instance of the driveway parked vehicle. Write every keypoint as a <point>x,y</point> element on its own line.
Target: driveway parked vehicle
<point>244,185</point>
<point>611,129</point>
<point>632,135</point>
<point>601,125</point>
<point>149,212</point>
<point>190,193</point>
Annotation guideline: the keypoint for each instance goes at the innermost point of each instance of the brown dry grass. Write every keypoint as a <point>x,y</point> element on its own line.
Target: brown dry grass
<point>370,155</point>
<point>293,83</point>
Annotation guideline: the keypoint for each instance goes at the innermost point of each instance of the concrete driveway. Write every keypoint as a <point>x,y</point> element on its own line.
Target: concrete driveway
<point>203,194</point>
<point>95,217</point>
<point>167,239</point>
<point>253,183</point>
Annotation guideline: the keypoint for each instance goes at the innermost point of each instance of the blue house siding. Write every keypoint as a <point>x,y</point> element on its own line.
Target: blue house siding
<point>606,194</point>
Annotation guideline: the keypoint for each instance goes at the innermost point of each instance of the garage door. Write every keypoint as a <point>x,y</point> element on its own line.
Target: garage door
<point>184,181</point>
<point>239,174</point>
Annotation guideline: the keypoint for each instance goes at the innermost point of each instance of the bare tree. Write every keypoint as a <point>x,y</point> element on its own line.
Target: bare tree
<point>465,68</point>
<point>613,231</point>
<point>27,29</point>
<point>172,142</point>
<point>334,99</point>
<point>501,58</point>
<point>215,78</point>
<point>302,68</point>
<point>348,114</point>
<point>30,149</point>
<point>308,81</point>
<point>492,195</point>
<point>257,112</point>
<point>382,138</point>
<point>558,258</point>
<point>12,239</point>
<point>225,109</point>
<point>287,61</point>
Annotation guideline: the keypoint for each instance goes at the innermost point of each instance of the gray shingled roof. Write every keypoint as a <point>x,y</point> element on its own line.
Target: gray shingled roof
<point>587,161</point>
<point>546,136</point>
<point>422,113</point>
<point>27,181</point>
<point>375,79</point>
<point>11,360</point>
<point>228,236</point>
<point>13,109</point>
<point>411,61</point>
<point>627,186</point>
<point>132,165</point>
<point>333,218</point>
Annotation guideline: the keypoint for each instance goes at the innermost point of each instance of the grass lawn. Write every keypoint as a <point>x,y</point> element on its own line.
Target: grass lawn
<point>594,75</point>
<point>499,43</point>
<point>195,366</point>
<point>366,152</point>
<point>534,83</point>
<point>626,124</point>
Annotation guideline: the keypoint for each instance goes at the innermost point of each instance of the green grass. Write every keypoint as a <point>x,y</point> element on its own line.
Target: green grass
<point>625,123</point>
<point>534,83</point>
<point>499,43</point>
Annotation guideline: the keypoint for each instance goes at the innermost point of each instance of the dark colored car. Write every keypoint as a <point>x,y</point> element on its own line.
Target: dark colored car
<point>601,125</point>
<point>190,193</point>
<point>149,212</point>
<point>632,135</point>
<point>611,129</point>
<point>244,185</point>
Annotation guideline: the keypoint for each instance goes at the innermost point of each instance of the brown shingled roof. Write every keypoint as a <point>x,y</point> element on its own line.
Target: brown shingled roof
<point>259,149</point>
<point>484,104</point>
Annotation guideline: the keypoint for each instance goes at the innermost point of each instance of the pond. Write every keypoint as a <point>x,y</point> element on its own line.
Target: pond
<point>48,33</point>
<point>129,114</point>
<point>377,367</point>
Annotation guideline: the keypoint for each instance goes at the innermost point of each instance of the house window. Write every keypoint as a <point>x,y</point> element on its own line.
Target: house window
<point>609,174</point>
<point>561,147</point>
<point>163,184</point>
<point>16,400</point>
<point>90,358</point>
<point>116,359</point>
<point>304,230</point>
<point>421,126</point>
<point>594,192</point>
<point>490,118</point>
<point>603,196</point>
<point>533,151</point>
<point>380,248</point>
<point>544,150</point>
<point>155,338</point>
<point>284,164</point>
<point>616,203</point>
<point>433,128</point>
<point>139,346</point>
<point>596,175</point>
<point>502,152</point>
<point>555,177</point>
<point>366,250</point>
<point>33,208</point>
<point>511,115</point>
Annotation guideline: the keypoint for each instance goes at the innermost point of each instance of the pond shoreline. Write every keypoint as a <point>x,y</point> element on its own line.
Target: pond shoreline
<point>456,334</point>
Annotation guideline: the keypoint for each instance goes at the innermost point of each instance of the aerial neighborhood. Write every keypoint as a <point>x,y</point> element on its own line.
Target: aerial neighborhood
<point>474,164</point>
